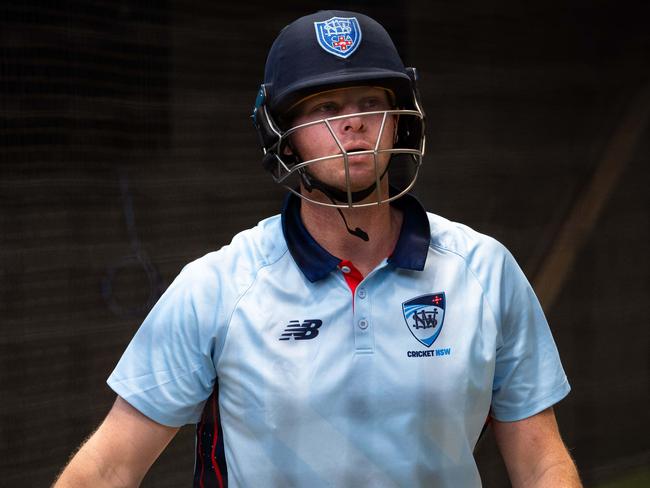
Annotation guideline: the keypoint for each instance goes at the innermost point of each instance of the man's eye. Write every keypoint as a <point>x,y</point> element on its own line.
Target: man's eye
<point>373,104</point>
<point>325,108</point>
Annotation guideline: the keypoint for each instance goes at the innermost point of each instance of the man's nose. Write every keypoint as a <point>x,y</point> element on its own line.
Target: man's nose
<point>353,123</point>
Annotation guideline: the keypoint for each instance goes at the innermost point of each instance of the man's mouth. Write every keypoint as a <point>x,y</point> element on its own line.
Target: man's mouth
<point>357,148</point>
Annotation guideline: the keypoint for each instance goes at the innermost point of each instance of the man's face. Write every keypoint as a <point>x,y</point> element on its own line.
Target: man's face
<point>358,132</point>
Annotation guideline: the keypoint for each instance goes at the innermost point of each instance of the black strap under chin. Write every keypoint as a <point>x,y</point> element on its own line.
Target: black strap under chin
<point>310,183</point>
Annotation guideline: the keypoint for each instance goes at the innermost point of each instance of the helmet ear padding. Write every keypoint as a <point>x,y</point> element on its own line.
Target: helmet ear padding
<point>270,162</point>
<point>409,133</point>
<point>267,130</point>
<point>269,134</point>
<point>410,130</point>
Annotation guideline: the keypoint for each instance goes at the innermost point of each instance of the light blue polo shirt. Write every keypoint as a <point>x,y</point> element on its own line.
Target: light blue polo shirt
<point>303,374</point>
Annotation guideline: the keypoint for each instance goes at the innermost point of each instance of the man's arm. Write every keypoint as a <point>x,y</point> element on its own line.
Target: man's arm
<point>120,452</point>
<point>534,453</point>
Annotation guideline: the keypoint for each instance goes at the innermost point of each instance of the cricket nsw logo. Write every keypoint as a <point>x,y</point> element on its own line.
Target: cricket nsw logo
<point>339,36</point>
<point>424,316</point>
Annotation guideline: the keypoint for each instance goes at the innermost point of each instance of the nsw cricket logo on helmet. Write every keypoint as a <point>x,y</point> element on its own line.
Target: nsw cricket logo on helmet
<point>339,36</point>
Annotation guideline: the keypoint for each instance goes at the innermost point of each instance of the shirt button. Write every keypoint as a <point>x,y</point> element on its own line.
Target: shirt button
<point>345,269</point>
<point>363,324</point>
<point>361,293</point>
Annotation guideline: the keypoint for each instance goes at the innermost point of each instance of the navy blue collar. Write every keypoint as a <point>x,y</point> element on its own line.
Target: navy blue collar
<point>316,263</point>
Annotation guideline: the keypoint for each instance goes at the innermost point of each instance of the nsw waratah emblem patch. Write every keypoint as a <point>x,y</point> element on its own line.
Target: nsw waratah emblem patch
<point>339,36</point>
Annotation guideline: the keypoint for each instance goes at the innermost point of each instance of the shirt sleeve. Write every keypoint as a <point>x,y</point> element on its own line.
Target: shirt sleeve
<point>167,371</point>
<point>528,372</point>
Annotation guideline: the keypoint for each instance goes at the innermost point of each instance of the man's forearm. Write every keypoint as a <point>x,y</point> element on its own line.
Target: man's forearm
<point>534,453</point>
<point>559,472</point>
<point>119,453</point>
<point>88,469</point>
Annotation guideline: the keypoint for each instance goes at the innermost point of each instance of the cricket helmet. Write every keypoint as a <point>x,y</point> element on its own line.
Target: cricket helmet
<point>326,51</point>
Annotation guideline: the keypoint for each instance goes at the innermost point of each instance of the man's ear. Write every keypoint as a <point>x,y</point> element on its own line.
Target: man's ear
<point>288,153</point>
<point>288,149</point>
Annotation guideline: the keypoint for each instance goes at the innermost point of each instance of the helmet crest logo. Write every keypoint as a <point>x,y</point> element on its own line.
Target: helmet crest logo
<point>339,36</point>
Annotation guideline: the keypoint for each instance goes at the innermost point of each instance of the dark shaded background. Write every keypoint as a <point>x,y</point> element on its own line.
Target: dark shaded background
<point>126,151</point>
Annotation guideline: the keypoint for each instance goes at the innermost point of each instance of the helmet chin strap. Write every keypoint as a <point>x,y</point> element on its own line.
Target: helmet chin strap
<point>310,183</point>
<point>357,232</point>
<point>334,194</point>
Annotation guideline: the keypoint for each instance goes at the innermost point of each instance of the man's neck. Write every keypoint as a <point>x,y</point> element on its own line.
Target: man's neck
<point>382,223</point>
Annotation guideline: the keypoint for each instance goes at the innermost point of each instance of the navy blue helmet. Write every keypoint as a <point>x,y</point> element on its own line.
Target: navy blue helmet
<point>326,51</point>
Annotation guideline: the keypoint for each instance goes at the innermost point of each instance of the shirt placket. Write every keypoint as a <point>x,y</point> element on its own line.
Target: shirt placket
<point>361,317</point>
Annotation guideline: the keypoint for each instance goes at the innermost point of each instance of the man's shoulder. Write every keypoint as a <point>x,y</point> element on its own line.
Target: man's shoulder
<point>462,240</point>
<point>248,251</point>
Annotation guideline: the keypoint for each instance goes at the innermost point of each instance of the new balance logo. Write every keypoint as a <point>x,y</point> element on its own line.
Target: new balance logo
<point>307,330</point>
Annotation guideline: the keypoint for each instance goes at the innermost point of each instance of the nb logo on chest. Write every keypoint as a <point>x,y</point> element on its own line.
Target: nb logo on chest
<point>299,332</point>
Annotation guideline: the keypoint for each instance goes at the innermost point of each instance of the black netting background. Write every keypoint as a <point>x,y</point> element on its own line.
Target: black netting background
<point>126,150</point>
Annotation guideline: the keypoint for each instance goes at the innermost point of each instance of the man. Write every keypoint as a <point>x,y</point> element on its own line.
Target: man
<point>355,340</point>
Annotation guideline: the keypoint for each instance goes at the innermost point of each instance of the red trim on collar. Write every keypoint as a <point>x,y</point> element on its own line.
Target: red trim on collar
<point>351,274</point>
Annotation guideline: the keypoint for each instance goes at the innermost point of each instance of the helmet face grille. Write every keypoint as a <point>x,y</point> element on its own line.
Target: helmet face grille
<point>398,162</point>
